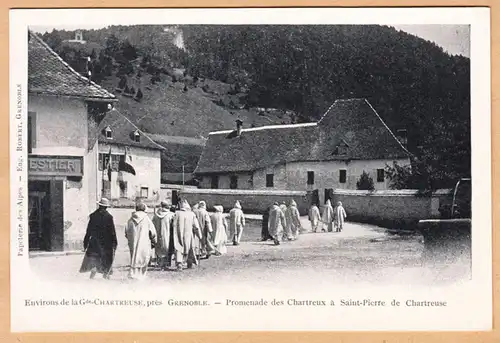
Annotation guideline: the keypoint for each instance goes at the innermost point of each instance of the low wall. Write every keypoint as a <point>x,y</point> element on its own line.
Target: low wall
<point>252,201</point>
<point>394,209</point>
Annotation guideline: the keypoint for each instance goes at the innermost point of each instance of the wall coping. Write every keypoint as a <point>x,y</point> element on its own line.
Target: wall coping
<point>389,193</point>
<point>174,186</point>
<point>242,192</point>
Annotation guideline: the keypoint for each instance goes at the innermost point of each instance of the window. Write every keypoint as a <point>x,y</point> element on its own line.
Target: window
<point>108,133</point>
<point>30,142</point>
<point>115,159</point>
<point>123,189</point>
<point>269,180</point>
<point>103,161</point>
<point>233,183</point>
<point>310,178</point>
<point>342,175</point>
<point>144,192</point>
<point>137,136</point>
<point>380,175</point>
<point>215,182</point>
<point>31,131</point>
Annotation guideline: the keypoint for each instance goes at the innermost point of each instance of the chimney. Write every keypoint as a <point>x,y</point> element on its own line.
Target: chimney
<point>402,136</point>
<point>239,125</point>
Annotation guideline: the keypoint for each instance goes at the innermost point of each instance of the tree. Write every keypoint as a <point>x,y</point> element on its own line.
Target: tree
<point>112,45</point>
<point>365,182</point>
<point>127,50</point>
<point>123,82</point>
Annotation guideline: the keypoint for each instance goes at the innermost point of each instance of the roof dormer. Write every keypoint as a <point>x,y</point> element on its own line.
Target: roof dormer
<point>136,136</point>
<point>108,133</point>
<point>341,148</point>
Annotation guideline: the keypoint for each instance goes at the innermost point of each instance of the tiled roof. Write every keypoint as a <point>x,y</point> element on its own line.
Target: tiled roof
<point>179,152</point>
<point>351,122</point>
<point>166,139</point>
<point>48,74</point>
<point>122,132</point>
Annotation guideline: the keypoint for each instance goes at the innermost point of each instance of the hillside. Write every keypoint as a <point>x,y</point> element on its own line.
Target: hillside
<point>167,109</point>
<point>222,73</point>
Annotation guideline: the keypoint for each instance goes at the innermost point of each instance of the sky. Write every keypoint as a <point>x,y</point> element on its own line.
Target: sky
<point>454,39</point>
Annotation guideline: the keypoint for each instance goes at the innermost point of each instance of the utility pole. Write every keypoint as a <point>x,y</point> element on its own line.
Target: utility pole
<point>183,176</point>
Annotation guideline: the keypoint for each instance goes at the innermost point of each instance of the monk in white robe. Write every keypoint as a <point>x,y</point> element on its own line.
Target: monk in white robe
<point>314,217</point>
<point>162,221</point>
<point>141,234</point>
<point>286,233</point>
<point>204,245</point>
<point>236,223</point>
<point>276,223</point>
<point>340,216</point>
<point>219,233</point>
<point>186,227</point>
<point>293,220</point>
<point>327,217</point>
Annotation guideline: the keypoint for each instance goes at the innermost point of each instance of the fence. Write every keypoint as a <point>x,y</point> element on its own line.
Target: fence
<point>252,201</point>
<point>394,209</point>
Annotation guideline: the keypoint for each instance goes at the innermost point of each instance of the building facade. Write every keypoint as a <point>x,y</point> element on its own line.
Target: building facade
<point>350,139</point>
<point>121,139</point>
<point>64,112</point>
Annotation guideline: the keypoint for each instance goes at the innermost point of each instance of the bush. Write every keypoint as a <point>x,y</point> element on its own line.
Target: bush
<point>365,182</point>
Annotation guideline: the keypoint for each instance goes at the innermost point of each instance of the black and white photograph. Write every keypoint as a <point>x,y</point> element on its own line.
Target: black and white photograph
<point>251,169</point>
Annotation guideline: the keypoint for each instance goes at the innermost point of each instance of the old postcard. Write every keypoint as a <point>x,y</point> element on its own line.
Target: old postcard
<point>250,169</point>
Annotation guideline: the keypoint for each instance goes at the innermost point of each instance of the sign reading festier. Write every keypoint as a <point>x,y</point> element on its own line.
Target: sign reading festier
<point>55,166</point>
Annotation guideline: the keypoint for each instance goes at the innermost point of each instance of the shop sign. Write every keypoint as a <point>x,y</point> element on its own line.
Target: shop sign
<point>55,165</point>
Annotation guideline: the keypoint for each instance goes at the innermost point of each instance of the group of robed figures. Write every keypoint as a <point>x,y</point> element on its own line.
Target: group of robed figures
<point>182,233</point>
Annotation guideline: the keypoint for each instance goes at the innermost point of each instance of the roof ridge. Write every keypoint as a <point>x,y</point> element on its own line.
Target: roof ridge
<point>328,110</point>
<point>187,138</point>
<point>142,132</point>
<point>266,127</point>
<point>339,100</point>
<point>56,55</point>
<point>387,127</point>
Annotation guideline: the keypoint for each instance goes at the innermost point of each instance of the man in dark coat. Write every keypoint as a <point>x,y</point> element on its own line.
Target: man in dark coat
<point>265,236</point>
<point>99,242</point>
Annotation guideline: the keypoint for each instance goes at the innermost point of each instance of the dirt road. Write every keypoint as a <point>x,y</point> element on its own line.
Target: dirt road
<point>360,254</point>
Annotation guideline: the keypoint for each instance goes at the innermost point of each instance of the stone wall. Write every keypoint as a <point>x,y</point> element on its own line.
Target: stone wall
<point>395,209</point>
<point>252,201</point>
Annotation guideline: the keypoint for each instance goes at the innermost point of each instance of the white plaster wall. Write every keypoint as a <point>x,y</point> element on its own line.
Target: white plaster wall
<point>61,125</point>
<point>76,212</point>
<point>293,176</point>
<point>61,129</point>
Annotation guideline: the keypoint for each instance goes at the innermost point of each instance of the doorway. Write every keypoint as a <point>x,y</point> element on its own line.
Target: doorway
<point>328,194</point>
<point>46,215</point>
<point>315,197</point>
<point>39,223</point>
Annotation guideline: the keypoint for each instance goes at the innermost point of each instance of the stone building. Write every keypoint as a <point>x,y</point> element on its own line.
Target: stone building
<point>121,138</point>
<point>65,110</point>
<point>329,154</point>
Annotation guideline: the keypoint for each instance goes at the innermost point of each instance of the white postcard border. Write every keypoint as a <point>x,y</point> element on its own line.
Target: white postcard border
<point>472,309</point>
